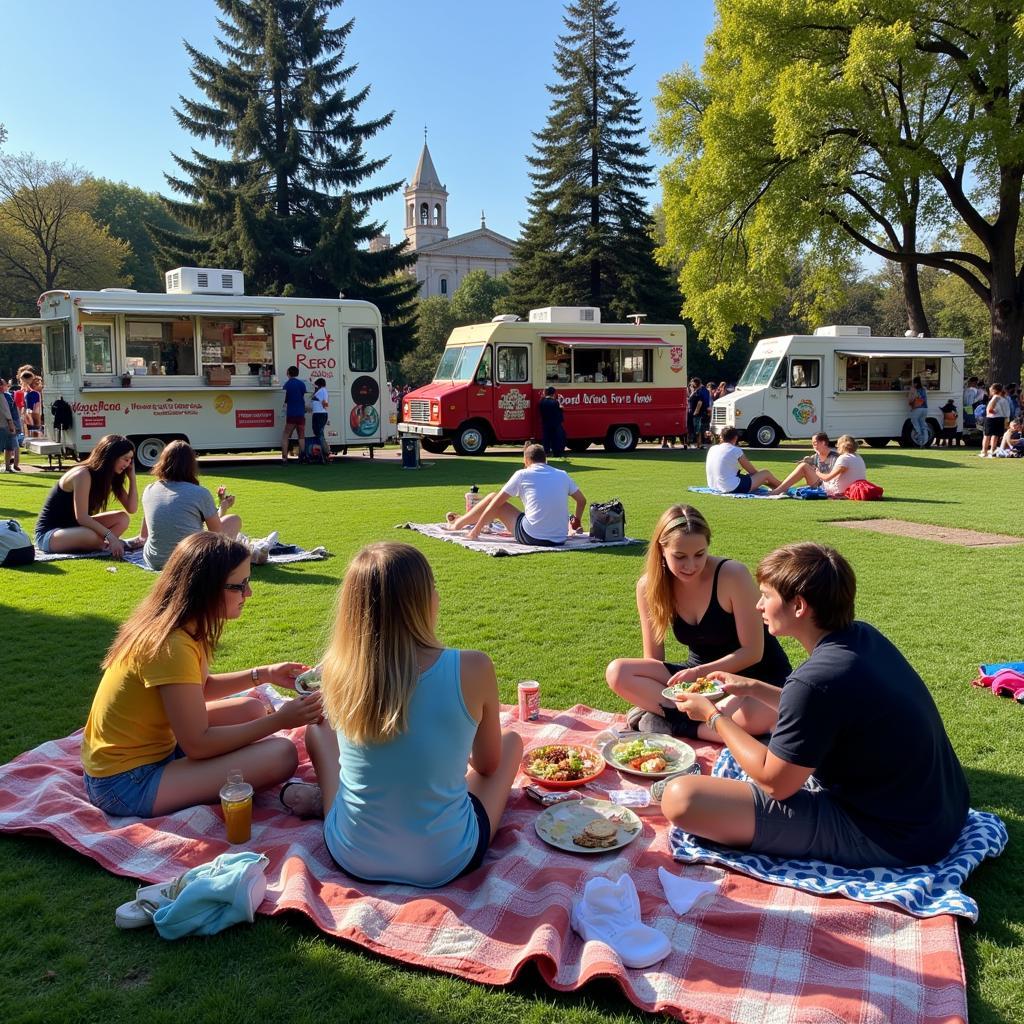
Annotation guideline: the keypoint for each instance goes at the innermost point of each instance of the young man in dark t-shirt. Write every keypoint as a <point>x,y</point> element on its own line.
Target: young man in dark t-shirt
<point>855,715</point>
<point>294,413</point>
<point>551,417</point>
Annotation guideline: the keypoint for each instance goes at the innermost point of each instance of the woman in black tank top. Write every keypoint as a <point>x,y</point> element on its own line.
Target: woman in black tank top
<point>710,604</point>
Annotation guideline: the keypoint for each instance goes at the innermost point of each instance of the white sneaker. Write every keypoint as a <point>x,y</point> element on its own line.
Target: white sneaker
<point>609,912</point>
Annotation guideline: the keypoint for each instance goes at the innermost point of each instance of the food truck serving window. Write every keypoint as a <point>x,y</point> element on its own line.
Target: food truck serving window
<point>887,373</point>
<point>513,364</point>
<point>165,347</point>
<point>362,349</point>
<point>242,345</point>
<point>58,348</point>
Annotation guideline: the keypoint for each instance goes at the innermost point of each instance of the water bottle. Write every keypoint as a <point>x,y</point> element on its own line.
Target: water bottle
<point>472,496</point>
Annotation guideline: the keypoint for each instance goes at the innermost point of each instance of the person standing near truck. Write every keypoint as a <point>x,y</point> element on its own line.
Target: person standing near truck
<point>917,399</point>
<point>320,406</point>
<point>294,413</point>
<point>699,406</point>
<point>551,417</point>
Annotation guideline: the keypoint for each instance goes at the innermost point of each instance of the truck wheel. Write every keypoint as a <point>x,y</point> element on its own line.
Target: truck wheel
<point>148,449</point>
<point>877,442</point>
<point>577,446</point>
<point>470,440</point>
<point>763,434</point>
<point>907,437</point>
<point>621,439</point>
<point>434,445</point>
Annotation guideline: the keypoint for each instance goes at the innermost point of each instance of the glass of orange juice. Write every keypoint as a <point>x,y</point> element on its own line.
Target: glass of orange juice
<point>236,803</point>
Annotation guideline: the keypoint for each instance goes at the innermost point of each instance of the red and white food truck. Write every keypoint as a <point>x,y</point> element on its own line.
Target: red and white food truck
<point>205,363</point>
<point>616,382</point>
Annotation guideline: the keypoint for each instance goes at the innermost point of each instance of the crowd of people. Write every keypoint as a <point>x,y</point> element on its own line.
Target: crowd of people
<point>700,398</point>
<point>21,414</point>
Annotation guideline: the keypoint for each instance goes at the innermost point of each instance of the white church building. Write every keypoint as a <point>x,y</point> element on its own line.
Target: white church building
<point>442,261</point>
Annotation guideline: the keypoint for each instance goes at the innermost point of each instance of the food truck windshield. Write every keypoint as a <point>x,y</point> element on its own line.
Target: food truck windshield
<point>758,372</point>
<point>458,362</point>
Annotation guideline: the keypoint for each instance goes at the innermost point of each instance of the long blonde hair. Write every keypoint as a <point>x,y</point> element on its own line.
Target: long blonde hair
<point>384,619</point>
<point>658,591</point>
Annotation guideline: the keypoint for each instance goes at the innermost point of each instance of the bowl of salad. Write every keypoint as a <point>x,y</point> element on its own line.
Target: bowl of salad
<point>700,687</point>
<point>562,765</point>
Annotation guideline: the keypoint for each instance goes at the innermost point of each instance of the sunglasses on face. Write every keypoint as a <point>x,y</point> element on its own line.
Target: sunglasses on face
<point>238,588</point>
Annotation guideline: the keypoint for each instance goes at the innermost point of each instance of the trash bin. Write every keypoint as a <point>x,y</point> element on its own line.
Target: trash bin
<point>410,452</point>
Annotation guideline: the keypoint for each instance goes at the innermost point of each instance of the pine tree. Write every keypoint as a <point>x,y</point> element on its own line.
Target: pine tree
<point>286,200</point>
<point>588,239</point>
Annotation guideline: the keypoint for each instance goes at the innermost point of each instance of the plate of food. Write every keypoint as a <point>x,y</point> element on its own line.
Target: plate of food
<point>588,826</point>
<point>700,687</point>
<point>648,755</point>
<point>562,765</point>
<point>307,682</point>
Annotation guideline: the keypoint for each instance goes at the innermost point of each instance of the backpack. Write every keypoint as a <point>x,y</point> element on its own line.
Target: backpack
<point>314,451</point>
<point>16,547</point>
<point>863,490</point>
<point>607,520</point>
<point>63,417</point>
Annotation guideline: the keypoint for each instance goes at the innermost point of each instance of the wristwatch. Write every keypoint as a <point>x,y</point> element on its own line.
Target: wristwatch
<point>255,673</point>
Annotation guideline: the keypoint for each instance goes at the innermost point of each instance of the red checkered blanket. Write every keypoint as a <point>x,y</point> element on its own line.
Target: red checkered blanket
<point>755,952</point>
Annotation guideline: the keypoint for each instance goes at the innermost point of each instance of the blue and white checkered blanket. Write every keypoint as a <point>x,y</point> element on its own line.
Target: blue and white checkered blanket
<point>923,890</point>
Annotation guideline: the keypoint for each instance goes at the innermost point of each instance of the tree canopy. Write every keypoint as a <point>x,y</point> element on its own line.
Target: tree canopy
<point>819,128</point>
<point>287,199</point>
<point>587,240</point>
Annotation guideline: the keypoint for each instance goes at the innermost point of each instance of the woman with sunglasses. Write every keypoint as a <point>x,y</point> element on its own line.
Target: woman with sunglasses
<point>164,732</point>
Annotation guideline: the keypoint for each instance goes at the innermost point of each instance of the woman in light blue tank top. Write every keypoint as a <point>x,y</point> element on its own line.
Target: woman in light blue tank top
<point>413,767</point>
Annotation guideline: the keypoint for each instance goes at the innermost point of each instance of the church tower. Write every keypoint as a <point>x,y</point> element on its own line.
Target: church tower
<point>426,201</point>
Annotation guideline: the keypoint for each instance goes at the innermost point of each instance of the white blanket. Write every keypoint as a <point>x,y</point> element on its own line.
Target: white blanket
<point>504,544</point>
<point>135,557</point>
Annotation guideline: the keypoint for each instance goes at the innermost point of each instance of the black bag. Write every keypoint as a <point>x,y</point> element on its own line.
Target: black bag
<point>63,417</point>
<point>607,520</point>
<point>16,547</point>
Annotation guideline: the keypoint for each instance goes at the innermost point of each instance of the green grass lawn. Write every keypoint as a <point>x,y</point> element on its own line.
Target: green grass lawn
<point>556,618</point>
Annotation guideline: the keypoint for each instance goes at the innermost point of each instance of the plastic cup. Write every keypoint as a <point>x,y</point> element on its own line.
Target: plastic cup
<point>236,803</point>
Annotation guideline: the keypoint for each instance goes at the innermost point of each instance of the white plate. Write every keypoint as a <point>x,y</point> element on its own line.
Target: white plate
<point>712,695</point>
<point>685,757</point>
<point>558,824</point>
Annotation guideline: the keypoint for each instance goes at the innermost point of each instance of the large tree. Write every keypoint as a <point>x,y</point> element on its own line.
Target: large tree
<point>48,237</point>
<point>588,236</point>
<point>820,126</point>
<point>286,196</point>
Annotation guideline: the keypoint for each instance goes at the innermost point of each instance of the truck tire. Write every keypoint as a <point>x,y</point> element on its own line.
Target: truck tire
<point>577,445</point>
<point>434,445</point>
<point>877,442</point>
<point>148,448</point>
<point>907,437</point>
<point>763,434</point>
<point>470,439</point>
<point>622,438</point>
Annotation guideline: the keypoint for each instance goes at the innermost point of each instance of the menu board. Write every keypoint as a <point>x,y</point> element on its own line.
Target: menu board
<point>253,348</point>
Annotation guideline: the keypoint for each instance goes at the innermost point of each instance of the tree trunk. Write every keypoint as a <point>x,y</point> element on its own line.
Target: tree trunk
<point>917,319</point>
<point>1007,336</point>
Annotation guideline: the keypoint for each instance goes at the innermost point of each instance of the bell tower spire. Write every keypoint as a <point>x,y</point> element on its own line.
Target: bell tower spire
<point>426,203</point>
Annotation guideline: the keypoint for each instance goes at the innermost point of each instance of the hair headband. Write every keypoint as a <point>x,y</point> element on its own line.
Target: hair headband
<point>678,521</point>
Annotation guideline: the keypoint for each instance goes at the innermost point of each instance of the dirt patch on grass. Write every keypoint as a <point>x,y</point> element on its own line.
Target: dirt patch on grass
<point>922,531</point>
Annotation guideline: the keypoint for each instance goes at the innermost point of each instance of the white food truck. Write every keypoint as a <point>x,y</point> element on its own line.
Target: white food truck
<point>843,381</point>
<point>205,363</point>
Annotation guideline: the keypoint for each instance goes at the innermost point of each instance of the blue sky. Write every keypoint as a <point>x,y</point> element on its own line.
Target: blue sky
<point>94,83</point>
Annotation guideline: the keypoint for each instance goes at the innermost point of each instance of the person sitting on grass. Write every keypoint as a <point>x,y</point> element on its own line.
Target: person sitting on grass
<point>414,771</point>
<point>723,465</point>
<point>543,490</point>
<point>848,467</point>
<point>74,519</point>
<point>1012,444</point>
<point>710,605</point>
<point>176,506</point>
<point>163,732</point>
<point>855,716</point>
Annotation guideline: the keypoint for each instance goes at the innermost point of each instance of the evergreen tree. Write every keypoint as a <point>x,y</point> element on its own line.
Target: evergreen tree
<point>287,199</point>
<point>588,239</point>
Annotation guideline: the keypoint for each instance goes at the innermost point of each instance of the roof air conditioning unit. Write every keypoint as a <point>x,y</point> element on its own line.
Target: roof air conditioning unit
<point>843,331</point>
<point>566,315</point>
<point>504,318</point>
<point>204,281</point>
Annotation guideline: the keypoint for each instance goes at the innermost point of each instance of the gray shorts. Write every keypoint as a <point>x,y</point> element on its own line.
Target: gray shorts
<point>812,826</point>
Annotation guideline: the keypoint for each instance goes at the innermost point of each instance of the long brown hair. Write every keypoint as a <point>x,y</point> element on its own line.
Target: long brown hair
<point>103,479</point>
<point>177,462</point>
<point>188,594</point>
<point>382,623</point>
<point>658,589</point>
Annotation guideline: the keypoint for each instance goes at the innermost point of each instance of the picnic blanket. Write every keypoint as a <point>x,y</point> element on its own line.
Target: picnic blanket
<point>749,494</point>
<point>925,890</point>
<point>285,554</point>
<point>752,952</point>
<point>503,544</point>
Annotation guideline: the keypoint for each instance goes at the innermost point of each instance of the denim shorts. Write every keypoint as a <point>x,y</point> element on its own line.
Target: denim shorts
<point>743,487</point>
<point>130,794</point>
<point>43,541</point>
<point>522,537</point>
<point>812,826</point>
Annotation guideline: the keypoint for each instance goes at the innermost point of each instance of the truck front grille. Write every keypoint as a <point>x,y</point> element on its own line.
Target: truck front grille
<point>419,410</point>
<point>718,414</point>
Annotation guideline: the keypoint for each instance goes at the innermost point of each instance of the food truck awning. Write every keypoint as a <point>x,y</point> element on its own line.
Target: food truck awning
<point>898,355</point>
<point>113,306</point>
<point>12,329</point>
<point>612,342</point>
